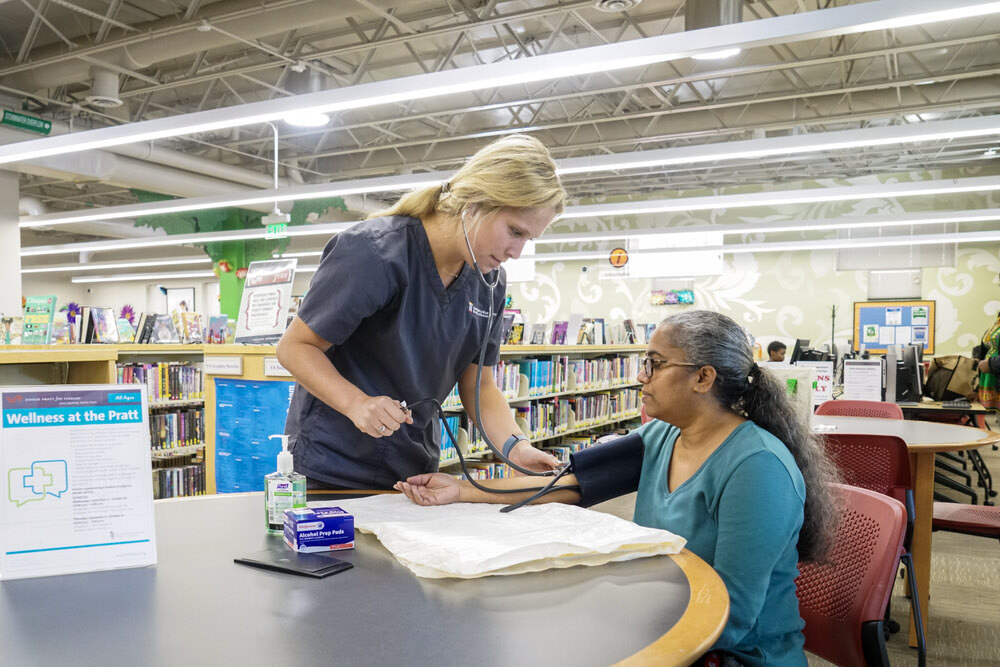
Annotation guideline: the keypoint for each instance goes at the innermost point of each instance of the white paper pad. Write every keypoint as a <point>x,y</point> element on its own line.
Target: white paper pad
<point>468,540</point>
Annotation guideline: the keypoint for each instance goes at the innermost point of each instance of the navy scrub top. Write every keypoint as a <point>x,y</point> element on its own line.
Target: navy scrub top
<point>395,331</point>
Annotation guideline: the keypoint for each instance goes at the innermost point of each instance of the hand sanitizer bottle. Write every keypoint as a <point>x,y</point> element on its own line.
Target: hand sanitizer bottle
<point>283,490</point>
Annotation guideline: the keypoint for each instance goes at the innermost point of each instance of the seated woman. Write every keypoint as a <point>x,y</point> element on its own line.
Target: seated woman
<point>726,463</point>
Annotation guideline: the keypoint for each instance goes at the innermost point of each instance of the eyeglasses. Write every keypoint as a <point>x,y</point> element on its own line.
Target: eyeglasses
<point>649,364</point>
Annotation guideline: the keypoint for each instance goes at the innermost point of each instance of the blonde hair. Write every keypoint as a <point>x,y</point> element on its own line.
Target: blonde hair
<point>512,172</point>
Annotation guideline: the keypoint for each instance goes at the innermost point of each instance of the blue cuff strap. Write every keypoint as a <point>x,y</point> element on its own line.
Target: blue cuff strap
<point>509,443</point>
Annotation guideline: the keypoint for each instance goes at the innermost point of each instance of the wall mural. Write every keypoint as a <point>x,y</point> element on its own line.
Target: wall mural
<point>786,294</point>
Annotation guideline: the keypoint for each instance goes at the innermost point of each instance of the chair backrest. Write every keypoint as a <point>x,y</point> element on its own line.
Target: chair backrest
<point>843,408</point>
<point>853,586</point>
<point>879,463</point>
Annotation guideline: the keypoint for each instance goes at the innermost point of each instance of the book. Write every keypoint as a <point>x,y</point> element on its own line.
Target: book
<point>537,336</point>
<point>192,329</point>
<point>140,329</point>
<point>11,330</point>
<point>163,330</point>
<point>105,325</point>
<point>38,314</point>
<point>559,332</point>
<point>63,333</point>
<point>630,336</point>
<point>216,333</point>
<point>585,334</point>
<point>267,294</point>
<point>505,327</point>
<point>126,332</point>
<point>516,334</point>
<point>573,329</point>
<point>600,333</point>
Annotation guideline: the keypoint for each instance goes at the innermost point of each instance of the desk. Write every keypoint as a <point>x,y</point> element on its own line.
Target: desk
<point>197,607</point>
<point>923,439</point>
<point>931,408</point>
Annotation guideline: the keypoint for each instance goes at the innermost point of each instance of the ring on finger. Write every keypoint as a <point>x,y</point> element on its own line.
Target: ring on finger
<point>381,428</point>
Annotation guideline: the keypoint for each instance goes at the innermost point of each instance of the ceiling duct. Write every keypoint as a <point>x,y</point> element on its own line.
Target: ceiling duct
<point>612,6</point>
<point>700,14</point>
<point>104,89</point>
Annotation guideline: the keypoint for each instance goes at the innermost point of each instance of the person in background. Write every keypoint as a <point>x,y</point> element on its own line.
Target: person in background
<point>776,351</point>
<point>989,367</point>
<point>397,312</point>
<point>727,463</point>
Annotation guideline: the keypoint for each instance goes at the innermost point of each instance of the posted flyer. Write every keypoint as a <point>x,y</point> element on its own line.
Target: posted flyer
<point>76,480</point>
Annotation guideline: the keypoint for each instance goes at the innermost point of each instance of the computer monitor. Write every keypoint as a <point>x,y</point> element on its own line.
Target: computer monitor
<point>801,345</point>
<point>909,375</point>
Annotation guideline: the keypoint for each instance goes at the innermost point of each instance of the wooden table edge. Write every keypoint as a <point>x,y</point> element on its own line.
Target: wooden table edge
<point>701,624</point>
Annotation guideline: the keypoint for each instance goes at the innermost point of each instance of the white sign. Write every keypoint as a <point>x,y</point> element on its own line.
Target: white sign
<point>76,486</point>
<point>863,379</point>
<point>273,368</point>
<point>823,384</point>
<point>223,365</point>
<point>267,295</point>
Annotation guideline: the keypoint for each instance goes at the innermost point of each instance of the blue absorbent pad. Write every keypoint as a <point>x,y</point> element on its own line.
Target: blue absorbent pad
<point>320,529</point>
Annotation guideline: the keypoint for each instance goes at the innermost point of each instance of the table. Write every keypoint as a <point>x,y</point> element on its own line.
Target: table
<point>197,607</point>
<point>922,439</point>
<point>936,407</point>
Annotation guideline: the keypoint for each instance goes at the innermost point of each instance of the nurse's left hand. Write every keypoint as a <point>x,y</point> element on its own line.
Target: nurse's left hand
<point>526,456</point>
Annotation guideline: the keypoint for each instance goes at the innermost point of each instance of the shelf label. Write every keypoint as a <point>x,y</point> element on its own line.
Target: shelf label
<point>223,365</point>
<point>23,121</point>
<point>273,368</point>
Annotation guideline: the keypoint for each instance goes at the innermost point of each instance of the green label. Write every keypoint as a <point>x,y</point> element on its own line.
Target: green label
<point>25,122</point>
<point>276,231</point>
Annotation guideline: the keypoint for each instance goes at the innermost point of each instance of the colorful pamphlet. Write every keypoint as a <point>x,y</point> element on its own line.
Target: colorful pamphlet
<point>267,295</point>
<point>38,314</point>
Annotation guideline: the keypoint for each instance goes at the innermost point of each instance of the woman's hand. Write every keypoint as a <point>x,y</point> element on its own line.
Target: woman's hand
<point>379,416</point>
<point>984,365</point>
<point>430,489</point>
<point>526,456</point>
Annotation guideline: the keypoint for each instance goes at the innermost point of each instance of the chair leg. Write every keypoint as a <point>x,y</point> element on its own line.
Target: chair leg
<point>947,467</point>
<point>873,643</point>
<point>954,458</point>
<point>907,559</point>
<point>985,478</point>
<point>956,486</point>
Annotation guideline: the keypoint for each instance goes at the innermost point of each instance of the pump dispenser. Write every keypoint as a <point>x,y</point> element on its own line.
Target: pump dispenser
<point>283,490</point>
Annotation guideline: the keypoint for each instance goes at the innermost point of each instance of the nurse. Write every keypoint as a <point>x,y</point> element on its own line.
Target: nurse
<point>398,310</point>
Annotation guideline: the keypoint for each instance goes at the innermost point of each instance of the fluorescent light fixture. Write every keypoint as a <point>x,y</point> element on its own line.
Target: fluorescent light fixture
<point>127,277</point>
<point>753,148</point>
<point>902,219</point>
<point>316,191</point>
<point>851,19</point>
<point>718,55</point>
<point>307,253</point>
<point>328,229</point>
<point>306,119</point>
<point>144,276</point>
<point>116,265</point>
<point>790,246</point>
<point>868,137</point>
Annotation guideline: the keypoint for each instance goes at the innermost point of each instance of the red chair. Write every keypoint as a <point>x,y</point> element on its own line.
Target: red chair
<point>881,463</point>
<point>876,409</point>
<point>843,599</point>
<point>967,519</point>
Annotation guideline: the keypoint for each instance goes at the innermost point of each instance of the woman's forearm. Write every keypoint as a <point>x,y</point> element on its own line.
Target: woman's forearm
<point>470,494</point>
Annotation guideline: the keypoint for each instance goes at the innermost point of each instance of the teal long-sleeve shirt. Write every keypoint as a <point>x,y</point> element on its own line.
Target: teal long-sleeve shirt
<point>741,512</point>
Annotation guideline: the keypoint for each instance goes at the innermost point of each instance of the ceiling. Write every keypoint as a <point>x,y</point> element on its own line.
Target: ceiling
<point>170,57</point>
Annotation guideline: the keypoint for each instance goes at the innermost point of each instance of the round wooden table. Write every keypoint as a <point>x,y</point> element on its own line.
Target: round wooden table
<point>197,606</point>
<point>923,439</point>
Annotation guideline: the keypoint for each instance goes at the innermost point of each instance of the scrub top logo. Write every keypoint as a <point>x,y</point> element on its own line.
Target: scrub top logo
<point>475,310</point>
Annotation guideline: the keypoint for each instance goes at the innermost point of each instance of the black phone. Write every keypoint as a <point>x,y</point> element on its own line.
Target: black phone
<point>317,565</point>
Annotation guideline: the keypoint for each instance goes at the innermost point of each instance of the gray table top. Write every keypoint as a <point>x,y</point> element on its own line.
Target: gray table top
<point>197,606</point>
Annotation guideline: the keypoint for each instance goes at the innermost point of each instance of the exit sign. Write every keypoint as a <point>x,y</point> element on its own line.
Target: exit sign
<point>276,231</point>
<point>25,122</point>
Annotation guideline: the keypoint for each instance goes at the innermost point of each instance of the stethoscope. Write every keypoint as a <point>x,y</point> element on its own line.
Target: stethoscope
<point>555,474</point>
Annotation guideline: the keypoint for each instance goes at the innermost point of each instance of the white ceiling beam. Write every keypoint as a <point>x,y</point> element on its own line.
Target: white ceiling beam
<point>877,15</point>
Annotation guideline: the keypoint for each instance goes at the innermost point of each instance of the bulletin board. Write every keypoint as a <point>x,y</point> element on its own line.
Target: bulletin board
<point>878,324</point>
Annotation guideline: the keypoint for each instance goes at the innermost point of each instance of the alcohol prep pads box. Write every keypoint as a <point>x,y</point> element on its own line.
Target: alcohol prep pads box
<point>319,529</point>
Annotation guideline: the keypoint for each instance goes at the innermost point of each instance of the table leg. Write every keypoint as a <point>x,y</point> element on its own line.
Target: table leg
<point>923,499</point>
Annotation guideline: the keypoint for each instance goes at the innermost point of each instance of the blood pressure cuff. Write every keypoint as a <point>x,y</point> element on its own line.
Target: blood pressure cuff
<point>608,470</point>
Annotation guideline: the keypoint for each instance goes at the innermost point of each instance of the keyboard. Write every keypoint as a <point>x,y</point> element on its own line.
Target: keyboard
<point>957,403</point>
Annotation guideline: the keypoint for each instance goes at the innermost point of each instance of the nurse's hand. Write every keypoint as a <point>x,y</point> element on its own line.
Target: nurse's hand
<point>526,456</point>
<point>430,489</point>
<point>379,416</point>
